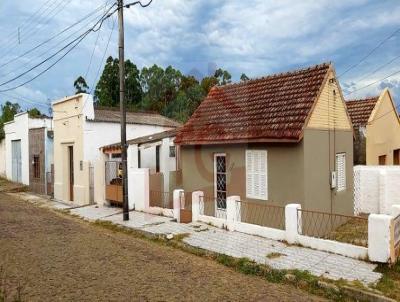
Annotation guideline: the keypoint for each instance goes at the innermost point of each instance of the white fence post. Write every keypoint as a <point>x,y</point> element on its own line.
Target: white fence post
<point>138,189</point>
<point>231,215</point>
<point>177,204</point>
<point>395,210</point>
<point>380,237</point>
<point>292,220</point>
<point>197,196</point>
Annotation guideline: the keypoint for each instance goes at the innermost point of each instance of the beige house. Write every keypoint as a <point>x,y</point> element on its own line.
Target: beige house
<point>80,129</point>
<point>377,130</point>
<point>276,140</point>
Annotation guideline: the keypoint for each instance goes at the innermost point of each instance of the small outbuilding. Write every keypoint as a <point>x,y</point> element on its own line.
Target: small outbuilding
<point>376,130</point>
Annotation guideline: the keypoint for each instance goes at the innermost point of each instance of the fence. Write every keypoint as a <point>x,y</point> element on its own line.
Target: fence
<point>337,227</point>
<point>261,214</point>
<point>396,223</point>
<point>213,207</point>
<point>161,199</point>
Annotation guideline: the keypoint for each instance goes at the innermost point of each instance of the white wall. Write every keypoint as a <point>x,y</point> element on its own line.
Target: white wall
<point>3,158</point>
<point>99,134</point>
<point>376,189</point>
<point>18,129</point>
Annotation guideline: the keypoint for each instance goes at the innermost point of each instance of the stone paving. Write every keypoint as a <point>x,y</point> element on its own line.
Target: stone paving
<point>273,253</point>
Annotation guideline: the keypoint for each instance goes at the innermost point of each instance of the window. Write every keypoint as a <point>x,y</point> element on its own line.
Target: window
<point>256,174</point>
<point>157,159</point>
<point>341,171</point>
<point>36,166</point>
<point>382,160</point>
<point>172,151</point>
<point>220,180</point>
<point>116,155</point>
<point>396,157</point>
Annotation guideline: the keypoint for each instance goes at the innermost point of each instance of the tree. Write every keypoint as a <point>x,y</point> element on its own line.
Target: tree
<point>34,112</point>
<point>80,85</point>
<point>107,89</point>
<point>207,83</point>
<point>244,77</point>
<point>8,110</point>
<point>222,76</point>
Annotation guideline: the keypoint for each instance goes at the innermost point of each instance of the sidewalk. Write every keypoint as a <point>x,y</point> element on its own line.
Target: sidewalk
<point>273,253</point>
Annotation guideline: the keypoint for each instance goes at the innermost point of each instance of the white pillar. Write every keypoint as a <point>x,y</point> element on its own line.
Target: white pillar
<point>197,197</point>
<point>382,192</point>
<point>380,238</point>
<point>138,189</point>
<point>292,222</point>
<point>177,194</point>
<point>231,215</point>
<point>133,156</point>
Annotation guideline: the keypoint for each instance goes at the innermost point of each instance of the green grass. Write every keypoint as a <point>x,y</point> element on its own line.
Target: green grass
<point>390,282</point>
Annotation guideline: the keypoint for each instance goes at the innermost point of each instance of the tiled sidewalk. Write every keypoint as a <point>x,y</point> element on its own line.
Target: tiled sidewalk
<point>281,256</point>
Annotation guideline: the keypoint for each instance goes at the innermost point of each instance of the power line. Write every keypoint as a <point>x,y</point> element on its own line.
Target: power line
<point>383,115</point>
<point>373,83</point>
<point>36,103</point>
<point>50,49</point>
<point>76,41</point>
<point>379,68</point>
<point>370,52</point>
<point>53,37</point>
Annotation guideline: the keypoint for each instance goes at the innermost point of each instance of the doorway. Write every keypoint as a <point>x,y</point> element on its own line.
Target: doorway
<point>16,161</point>
<point>71,172</point>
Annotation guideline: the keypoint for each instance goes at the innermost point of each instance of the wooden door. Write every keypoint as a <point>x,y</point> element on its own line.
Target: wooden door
<point>71,172</point>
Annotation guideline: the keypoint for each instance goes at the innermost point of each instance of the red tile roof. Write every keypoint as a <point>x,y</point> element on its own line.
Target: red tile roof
<point>360,110</point>
<point>272,108</point>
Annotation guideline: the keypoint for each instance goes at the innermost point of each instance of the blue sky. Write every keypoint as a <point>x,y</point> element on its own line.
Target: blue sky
<point>256,37</point>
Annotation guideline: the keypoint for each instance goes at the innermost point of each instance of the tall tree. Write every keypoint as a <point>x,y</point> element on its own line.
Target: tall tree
<point>34,112</point>
<point>244,77</point>
<point>80,85</point>
<point>8,110</point>
<point>223,76</point>
<point>107,89</point>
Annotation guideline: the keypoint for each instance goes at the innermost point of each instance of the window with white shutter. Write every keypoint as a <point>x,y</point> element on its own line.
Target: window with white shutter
<point>256,174</point>
<point>341,171</point>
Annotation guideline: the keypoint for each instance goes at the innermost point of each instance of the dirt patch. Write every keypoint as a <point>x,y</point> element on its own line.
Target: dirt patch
<point>58,258</point>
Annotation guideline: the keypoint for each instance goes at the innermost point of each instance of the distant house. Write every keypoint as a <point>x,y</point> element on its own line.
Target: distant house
<point>80,129</point>
<point>275,140</point>
<point>29,150</point>
<point>157,152</point>
<point>377,130</point>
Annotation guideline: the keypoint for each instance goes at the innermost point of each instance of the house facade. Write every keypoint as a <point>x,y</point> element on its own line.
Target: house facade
<point>275,140</point>
<point>377,130</point>
<point>80,130</point>
<point>20,136</point>
<point>157,152</point>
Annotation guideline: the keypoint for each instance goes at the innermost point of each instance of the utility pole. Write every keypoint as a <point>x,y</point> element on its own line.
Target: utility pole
<point>123,109</point>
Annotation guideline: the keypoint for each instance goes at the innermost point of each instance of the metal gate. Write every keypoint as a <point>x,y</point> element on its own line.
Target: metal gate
<point>16,160</point>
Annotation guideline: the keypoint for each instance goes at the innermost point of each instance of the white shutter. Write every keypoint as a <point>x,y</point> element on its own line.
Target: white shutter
<point>341,171</point>
<point>256,174</point>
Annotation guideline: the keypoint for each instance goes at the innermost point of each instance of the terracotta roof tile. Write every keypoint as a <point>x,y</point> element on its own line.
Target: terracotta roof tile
<point>112,115</point>
<point>360,110</point>
<point>275,107</point>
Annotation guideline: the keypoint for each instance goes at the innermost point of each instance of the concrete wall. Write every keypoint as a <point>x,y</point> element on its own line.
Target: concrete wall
<point>3,158</point>
<point>376,189</point>
<point>285,170</point>
<point>320,149</point>
<point>383,130</point>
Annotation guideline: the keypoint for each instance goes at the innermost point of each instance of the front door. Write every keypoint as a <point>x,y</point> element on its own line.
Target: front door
<point>220,184</point>
<point>16,160</point>
<point>71,172</point>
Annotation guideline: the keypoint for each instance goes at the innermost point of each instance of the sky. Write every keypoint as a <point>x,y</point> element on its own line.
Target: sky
<point>257,37</point>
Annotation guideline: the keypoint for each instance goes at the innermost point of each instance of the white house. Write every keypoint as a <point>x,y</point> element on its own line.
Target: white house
<point>156,152</point>
<point>3,158</point>
<point>17,145</point>
<point>80,129</point>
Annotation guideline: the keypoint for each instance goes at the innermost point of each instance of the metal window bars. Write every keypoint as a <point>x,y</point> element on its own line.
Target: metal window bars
<point>261,213</point>
<point>338,227</point>
<point>161,199</point>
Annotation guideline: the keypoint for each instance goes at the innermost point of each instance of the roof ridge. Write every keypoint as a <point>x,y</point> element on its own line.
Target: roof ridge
<point>279,74</point>
<point>368,98</point>
<point>110,108</point>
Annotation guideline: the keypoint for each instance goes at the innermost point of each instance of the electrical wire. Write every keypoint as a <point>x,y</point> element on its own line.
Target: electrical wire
<point>379,68</point>
<point>76,41</point>
<point>369,53</point>
<point>54,36</point>
<point>36,103</point>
